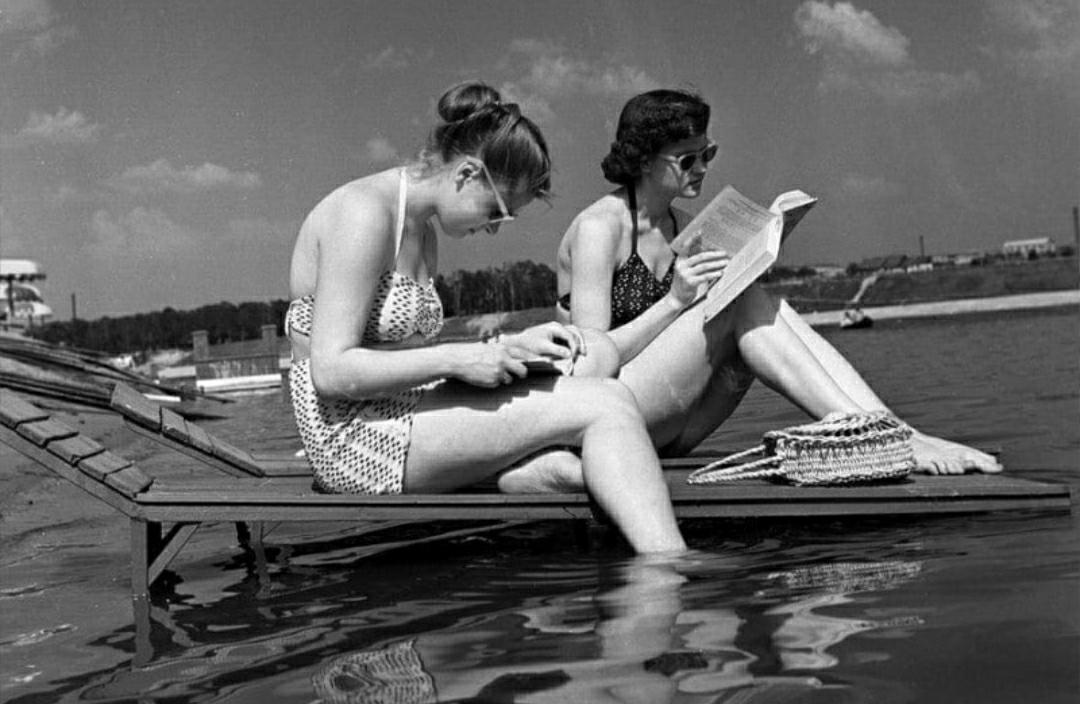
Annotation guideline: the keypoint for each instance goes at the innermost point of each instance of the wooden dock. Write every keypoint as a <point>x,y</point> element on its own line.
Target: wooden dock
<point>165,511</point>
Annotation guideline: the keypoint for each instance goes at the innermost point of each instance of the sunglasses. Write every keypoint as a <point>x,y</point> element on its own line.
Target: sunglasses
<point>685,162</point>
<point>503,215</point>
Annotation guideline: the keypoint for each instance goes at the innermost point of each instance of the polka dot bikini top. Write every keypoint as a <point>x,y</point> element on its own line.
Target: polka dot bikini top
<point>403,306</point>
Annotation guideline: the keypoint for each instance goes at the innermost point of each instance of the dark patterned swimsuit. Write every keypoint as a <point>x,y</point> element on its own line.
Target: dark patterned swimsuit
<point>634,288</point>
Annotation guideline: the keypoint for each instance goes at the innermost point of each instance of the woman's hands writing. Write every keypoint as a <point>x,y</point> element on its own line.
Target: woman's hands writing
<point>552,340</point>
<point>500,361</point>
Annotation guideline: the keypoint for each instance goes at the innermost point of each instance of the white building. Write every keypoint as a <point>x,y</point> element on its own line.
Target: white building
<point>1023,248</point>
<point>21,305</point>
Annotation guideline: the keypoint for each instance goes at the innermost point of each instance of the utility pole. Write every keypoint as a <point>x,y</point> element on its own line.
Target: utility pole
<point>1076,226</point>
<point>922,247</point>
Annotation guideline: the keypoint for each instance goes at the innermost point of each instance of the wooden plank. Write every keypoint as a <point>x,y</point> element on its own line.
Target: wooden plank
<point>199,438</point>
<point>189,450</point>
<point>173,425</point>
<point>42,432</point>
<point>171,545</point>
<point>276,499</point>
<point>135,406</point>
<point>64,470</point>
<point>72,450</point>
<point>283,465</point>
<point>275,489</point>
<point>232,454</point>
<point>102,465</point>
<point>14,410</point>
<point>129,481</point>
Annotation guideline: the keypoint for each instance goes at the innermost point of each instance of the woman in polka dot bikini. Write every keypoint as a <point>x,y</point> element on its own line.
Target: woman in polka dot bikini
<point>382,408</point>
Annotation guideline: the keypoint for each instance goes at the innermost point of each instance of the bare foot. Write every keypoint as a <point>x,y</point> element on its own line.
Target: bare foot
<point>547,472</point>
<point>939,456</point>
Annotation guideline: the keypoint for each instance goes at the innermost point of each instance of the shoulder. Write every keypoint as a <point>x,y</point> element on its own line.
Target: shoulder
<point>358,210</point>
<point>601,223</point>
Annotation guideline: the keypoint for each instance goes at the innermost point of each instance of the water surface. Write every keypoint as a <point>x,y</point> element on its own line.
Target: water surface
<point>980,608</point>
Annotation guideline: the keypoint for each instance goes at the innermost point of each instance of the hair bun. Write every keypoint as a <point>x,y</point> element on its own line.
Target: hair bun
<point>621,165</point>
<point>466,99</point>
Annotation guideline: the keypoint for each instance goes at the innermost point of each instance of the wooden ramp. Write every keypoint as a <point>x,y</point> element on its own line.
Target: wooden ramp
<point>226,493</point>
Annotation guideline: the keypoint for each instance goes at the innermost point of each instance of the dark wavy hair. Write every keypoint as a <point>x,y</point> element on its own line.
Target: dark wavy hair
<point>475,122</point>
<point>648,123</point>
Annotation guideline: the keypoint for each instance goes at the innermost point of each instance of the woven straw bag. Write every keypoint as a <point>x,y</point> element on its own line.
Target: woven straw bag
<point>839,449</point>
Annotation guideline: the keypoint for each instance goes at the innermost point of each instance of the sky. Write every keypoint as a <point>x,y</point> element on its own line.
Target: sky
<point>163,153</point>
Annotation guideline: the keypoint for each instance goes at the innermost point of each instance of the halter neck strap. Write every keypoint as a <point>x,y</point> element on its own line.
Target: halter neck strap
<point>631,197</point>
<point>399,231</point>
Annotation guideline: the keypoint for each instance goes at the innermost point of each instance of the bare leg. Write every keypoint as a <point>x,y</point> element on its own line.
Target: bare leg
<point>558,470</point>
<point>462,435</point>
<point>933,455</point>
<point>693,375</point>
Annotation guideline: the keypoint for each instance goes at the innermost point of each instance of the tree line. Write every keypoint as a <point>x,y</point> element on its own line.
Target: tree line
<point>516,286</point>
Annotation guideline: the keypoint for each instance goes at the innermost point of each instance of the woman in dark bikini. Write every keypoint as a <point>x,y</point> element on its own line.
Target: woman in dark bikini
<point>617,273</point>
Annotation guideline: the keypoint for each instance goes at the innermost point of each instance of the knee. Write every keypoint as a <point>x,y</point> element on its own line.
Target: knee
<point>601,359</point>
<point>614,401</point>
<point>756,307</point>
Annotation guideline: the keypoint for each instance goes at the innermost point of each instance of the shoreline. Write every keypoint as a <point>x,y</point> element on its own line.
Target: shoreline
<point>467,327</point>
<point>472,327</point>
<point>962,306</point>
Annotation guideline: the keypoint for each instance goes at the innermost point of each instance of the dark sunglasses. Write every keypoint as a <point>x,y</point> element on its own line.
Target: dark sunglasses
<point>686,161</point>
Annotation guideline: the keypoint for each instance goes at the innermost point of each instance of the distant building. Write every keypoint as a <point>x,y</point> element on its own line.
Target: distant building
<point>21,304</point>
<point>829,271</point>
<point>921,263</point>
<point>1024,248</point>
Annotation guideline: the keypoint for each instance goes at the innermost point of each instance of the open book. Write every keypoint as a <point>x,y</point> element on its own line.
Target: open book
<point>749,233</point>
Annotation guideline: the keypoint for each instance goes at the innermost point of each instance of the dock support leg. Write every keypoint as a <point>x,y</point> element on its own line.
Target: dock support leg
<point>151,553</point>
<point>145,539</point>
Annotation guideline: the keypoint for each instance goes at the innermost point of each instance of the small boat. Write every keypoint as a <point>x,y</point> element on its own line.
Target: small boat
<point>855,319</point>
<point>21,304</point>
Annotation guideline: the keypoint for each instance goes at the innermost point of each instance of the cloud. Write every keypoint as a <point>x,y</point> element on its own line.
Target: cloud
<point>31,27</point>
<point>842,29</point>
<point>379,150</point>
<point>860,54</point>
<point>139,232</point>
<point>549,72</point>
<point>11,243</point>
<point>64,128</point>
<point>393,58</point>
<point>261,232</point>
<point>1042,39</point>
<point>24,16</point>
<point>163,177</point>
<point>64,195</point>
<point>866,187</point>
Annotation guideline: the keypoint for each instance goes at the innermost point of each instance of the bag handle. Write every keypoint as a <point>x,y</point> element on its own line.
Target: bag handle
<point>718,471</point>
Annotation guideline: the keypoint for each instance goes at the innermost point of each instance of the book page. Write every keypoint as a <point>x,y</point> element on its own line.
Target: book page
<point>792,206</point>
<point>728,222</point>
<point>749,233</point>
<point>745,267</point>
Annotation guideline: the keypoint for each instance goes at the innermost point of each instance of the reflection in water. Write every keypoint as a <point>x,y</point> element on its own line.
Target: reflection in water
<point>633,642</point>
<point>393,674</point>
<point>804,638</point>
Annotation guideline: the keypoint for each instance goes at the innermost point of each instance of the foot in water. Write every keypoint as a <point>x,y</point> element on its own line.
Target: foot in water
<point>939,456</point>
<point>547,472</point>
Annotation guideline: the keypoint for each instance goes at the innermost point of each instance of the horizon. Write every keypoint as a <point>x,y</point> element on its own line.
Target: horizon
<point>163,154</point>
